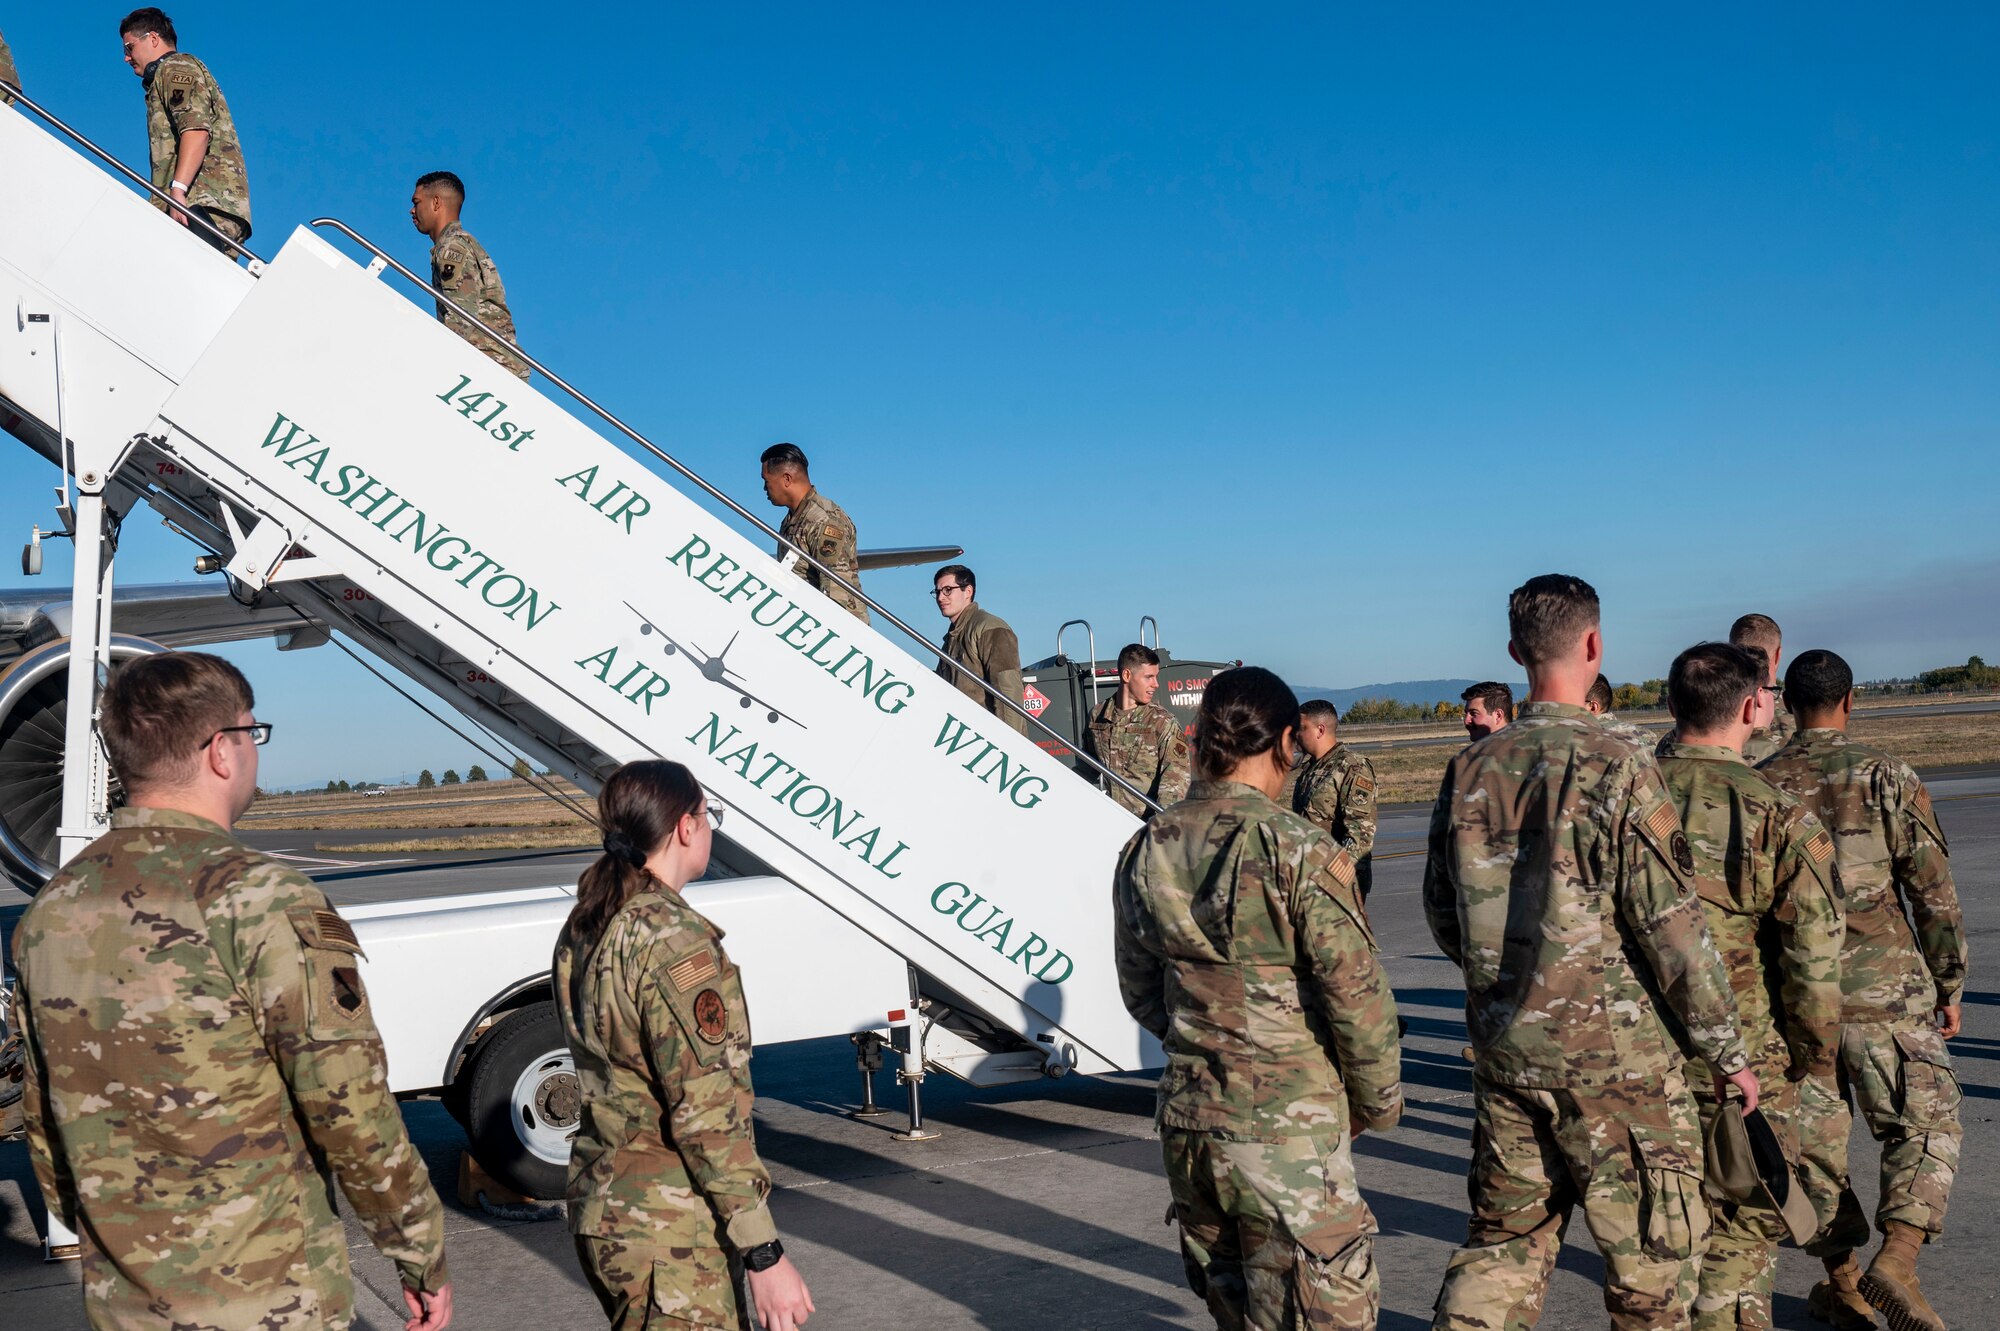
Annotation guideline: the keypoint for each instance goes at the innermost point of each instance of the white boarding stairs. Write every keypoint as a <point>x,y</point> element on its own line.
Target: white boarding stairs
<point>338,448</point>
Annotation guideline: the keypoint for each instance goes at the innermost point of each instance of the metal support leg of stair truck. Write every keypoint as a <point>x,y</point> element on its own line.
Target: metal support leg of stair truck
<point>86,773</point>
<point>906,1037</point>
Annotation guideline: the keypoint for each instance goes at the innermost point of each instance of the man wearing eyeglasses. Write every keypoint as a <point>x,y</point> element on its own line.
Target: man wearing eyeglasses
<point>1760,635</point>
<point>202,1062</point>
<point>980,641</point>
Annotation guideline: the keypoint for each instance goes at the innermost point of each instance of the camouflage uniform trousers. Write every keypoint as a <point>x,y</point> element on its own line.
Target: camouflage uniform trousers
<point>1274,1233</point>
<point>1741,1264</point>
<point>642,1286</point>
<point>228,225</point>
<point>1631,1154</point>
<point>1899,1074</point>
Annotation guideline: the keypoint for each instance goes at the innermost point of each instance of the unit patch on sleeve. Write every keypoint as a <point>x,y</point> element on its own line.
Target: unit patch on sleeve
<point>711,1016</point>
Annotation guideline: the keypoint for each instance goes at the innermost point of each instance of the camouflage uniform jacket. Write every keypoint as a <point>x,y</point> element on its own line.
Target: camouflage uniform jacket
<point>1888,842</point>
<point>1145,745</point>
<point>1764,868</point>
<point>1612,722</point>
<point>665,1155</point>
<point>202,1065</point>
<point>1560,880</point>
<point>823,530</point>
<point>1337,792</point>
<point>180,96</point>
<point>980,641</point>
<point>461,268</point>
<point>1241,943</point>
<point>8,74</point>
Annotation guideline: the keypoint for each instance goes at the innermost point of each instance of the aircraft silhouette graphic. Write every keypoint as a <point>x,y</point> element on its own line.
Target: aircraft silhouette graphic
<point>713,668</point>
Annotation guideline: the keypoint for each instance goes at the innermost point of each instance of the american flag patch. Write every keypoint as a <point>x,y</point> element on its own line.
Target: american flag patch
<point>1343,870</point>
<point>335,930</point>
<point>1820,847</point>
<point>691,971</point>
<point>1923,798</point>
<point>1662,823</point>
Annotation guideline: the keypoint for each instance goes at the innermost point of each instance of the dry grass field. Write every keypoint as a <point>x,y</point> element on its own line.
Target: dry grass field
<point>514,815</point>
<point>1409,773</point>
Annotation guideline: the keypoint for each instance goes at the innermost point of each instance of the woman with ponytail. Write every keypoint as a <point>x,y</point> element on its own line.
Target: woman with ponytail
<point>667,1196</point>
<point>1242,945</point>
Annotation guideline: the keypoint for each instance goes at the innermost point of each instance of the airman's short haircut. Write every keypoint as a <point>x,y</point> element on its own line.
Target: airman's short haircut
<point>1816,682</point>
<point>1497,697</point>
<point>151,20</point>
<point>159,712</point>
<point>1757,631</point>
<point>1319,709</point>
<point>957,573</point>
<point>785,455</point>
<point>1709,683</point>
<point>1135,655</point>
<point>1547,614</point>
<point>1599,697</point>
<point>445,182</point>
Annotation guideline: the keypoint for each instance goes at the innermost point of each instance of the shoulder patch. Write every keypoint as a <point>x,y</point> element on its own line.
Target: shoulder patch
<point>1820,848</point>
<point>1683,853</point>
<point>1923,800</point>
<point>1662,823</point>
<point>711,1016</point>
<point>691,971</point>
<point>1342,869</point>
<point>335,929</point>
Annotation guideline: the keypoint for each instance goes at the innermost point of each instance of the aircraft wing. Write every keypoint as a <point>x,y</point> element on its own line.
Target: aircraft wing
<point>905,555</point>
<point>174,614</point>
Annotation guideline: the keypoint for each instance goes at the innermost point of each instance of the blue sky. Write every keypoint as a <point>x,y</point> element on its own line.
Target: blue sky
<point>1309,331</point>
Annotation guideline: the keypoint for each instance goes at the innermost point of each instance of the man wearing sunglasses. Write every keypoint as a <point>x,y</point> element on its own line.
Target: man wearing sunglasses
<point>202,1062</point>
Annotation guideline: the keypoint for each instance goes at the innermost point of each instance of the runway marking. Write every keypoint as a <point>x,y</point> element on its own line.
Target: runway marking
<point>319,862</point>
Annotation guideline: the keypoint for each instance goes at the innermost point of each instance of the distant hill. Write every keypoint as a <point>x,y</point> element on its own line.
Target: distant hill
<point>1424,691</point>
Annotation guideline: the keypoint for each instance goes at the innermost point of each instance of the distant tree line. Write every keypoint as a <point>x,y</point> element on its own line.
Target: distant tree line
<point>1973,677</point>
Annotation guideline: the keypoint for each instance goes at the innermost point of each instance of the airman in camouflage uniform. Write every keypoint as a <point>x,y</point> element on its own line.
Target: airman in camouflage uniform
<point>665,1194</point>
<point>202,1067</point>
<point>1560,880</point>
<point>1233,915</point>
<point>814,525</point>
<point>1144,744</point>
<point>1137,738</point>
<point>1897,971</point>
<point>8,74</point>
<point>823,529</point>
<point>980,641</point>
<point>1336,791</point>
<point>182,96</point>
<point>1765,872</point>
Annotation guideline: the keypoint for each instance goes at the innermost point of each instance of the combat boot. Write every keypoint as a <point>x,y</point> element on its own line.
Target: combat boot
<point>1837,1299</point>
<point>1890,1284</point>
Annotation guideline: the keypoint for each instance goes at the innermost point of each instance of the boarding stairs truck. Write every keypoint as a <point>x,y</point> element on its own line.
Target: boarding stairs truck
<point>894,855</point>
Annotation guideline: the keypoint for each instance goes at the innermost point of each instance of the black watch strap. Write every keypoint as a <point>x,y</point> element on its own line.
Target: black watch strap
<point>763,1257</point>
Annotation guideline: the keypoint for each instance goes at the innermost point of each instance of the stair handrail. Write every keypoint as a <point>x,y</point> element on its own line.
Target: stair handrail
<point>83,141</point>
<point>605,414</point>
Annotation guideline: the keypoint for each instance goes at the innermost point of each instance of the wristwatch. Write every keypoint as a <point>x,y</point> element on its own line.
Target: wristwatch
<point>763,1257</point>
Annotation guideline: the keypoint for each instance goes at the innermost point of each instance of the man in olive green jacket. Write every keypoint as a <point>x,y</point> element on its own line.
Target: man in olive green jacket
<point>980,641</point>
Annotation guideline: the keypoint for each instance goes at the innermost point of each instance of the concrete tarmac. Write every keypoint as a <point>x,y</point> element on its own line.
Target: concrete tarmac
<point>1040,1206</point>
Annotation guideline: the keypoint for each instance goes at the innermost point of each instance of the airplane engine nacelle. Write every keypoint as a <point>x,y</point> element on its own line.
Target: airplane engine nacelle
<point>34,702</point>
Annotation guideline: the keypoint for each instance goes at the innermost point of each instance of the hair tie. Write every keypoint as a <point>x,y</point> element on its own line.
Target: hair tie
<point>619,847</point>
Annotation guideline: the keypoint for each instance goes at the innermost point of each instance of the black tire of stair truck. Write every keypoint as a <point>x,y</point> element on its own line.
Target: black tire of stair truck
<point>524,1039</point>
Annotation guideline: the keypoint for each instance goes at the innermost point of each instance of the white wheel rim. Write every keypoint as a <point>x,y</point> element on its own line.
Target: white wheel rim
<point>546,1105</point>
